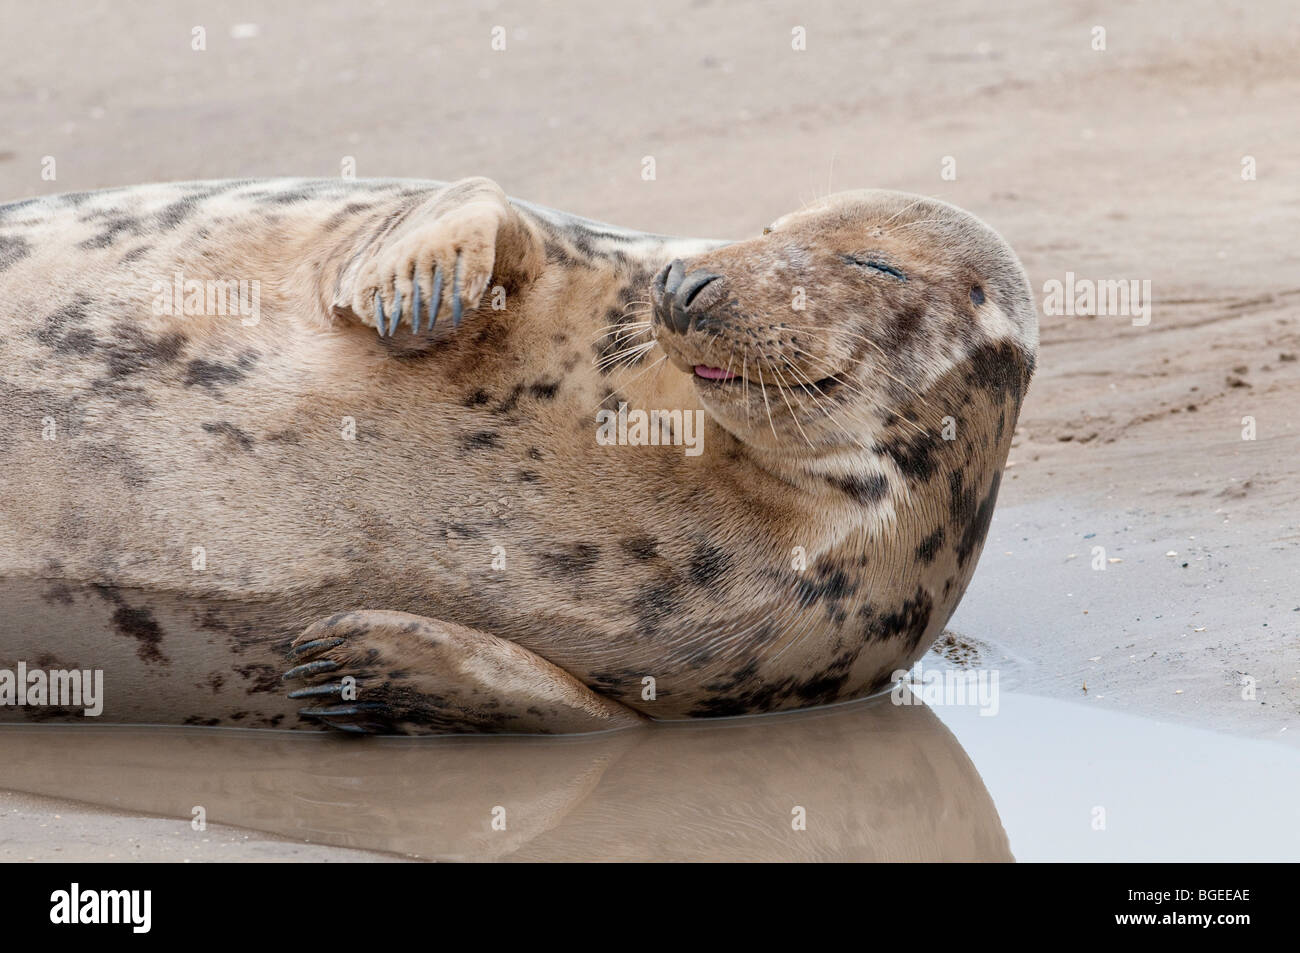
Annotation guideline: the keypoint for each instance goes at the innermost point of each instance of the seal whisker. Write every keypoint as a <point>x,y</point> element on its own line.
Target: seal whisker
<point>615,348</point>
<point>790,407</point>
<point>852,386</point>
<point>618,356</point>
<point>916,428</point>
<point>744,376</point>
<point>619,340</point>
<point>928,221</point>
<point>763,388</point>
<point>626,356</point>
<point>730,358</point>
<point>624,324</point>
<point>820,404</point>
<point>865,340</point>
<point>640,312</point>
<point>633,379</point>
<point>618,332</point>
<point>644,370</point>
<point>856,335</point>
<point>909,205</point>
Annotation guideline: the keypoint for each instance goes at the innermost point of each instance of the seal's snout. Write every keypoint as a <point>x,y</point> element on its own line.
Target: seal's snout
<point>679,296</point>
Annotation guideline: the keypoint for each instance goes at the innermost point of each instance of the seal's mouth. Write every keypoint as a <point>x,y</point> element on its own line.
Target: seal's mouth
<point>714,373</point>
<point>716,377</point>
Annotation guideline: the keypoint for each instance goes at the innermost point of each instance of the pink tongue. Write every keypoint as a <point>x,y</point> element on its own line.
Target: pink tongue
<point>713,373</point>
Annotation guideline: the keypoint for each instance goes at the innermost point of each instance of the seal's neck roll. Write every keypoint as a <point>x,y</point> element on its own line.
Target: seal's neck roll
<point>889,540</point>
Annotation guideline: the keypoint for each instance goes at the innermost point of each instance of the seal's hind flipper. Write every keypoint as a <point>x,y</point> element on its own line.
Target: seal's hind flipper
<point>382,672</point>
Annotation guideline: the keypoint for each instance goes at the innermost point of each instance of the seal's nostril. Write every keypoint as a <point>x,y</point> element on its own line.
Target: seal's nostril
<point>660,280</point>
<point>674,275</point>
<point>693,285</point>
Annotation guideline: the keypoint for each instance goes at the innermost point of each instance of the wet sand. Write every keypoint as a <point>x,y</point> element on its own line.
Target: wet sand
<point>44,829</point>
<point>1207,637</point>
<point>1116,164</point>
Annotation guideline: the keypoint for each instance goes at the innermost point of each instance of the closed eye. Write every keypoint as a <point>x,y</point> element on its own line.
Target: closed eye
<point>875,266</point>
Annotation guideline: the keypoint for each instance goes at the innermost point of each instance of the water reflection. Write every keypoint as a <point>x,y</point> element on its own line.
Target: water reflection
<point>874,782</point>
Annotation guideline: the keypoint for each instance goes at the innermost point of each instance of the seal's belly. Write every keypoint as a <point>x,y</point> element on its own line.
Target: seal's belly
<point>139,657</point>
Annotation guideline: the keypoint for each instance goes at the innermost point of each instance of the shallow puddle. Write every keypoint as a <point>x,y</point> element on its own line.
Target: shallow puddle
<point>867,781</point>
<point>1073,782</point>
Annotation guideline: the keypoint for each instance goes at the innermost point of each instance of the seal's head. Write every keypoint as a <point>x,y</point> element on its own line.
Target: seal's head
<point>809,338</point>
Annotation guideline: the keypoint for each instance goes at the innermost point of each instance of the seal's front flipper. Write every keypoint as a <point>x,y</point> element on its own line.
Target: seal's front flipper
<point>435,264</point>
<point>381,672</point>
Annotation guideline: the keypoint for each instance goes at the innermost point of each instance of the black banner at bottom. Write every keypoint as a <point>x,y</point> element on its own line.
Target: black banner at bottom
<point>334,901</point>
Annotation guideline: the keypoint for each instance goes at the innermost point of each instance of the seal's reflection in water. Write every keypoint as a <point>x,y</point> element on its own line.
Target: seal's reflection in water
<point>875,781</point>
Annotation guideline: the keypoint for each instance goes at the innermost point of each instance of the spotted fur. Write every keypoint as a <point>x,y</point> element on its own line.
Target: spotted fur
<point>322,467</point>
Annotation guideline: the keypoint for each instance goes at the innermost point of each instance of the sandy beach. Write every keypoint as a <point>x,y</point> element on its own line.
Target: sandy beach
<point>1144,557</point>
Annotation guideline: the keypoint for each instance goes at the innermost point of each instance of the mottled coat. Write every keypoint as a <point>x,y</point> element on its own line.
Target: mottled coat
<point>182,495</point>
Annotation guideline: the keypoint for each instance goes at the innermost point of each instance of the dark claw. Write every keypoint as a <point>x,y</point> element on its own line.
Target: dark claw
<point>333,688</point>
<point>367,726</point>
<point>379,313</point>
<point>415,304</point>
<point>397,311</point>
<point>455,295</point>
<point>336,711</point>
<point>435,303</point>
<point>311,668</point>
<point>345,726</point>
<point>314,647</point>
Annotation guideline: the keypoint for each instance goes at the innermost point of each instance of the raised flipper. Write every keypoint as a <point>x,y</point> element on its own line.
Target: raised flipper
<point>435,264</point>
<point>382,672</point>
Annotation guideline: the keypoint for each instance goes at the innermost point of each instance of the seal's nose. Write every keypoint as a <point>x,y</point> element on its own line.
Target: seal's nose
<point>676,295</point>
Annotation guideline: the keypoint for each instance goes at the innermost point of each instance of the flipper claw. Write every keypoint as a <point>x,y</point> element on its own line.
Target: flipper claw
<point>344,726</point>
<point>455,295</point>
<point>415,304</point>
<point>311,668</point>
<point>314,647</point>
<point>435,302</point>
<point>336,711</point>
<point>397,312</point>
